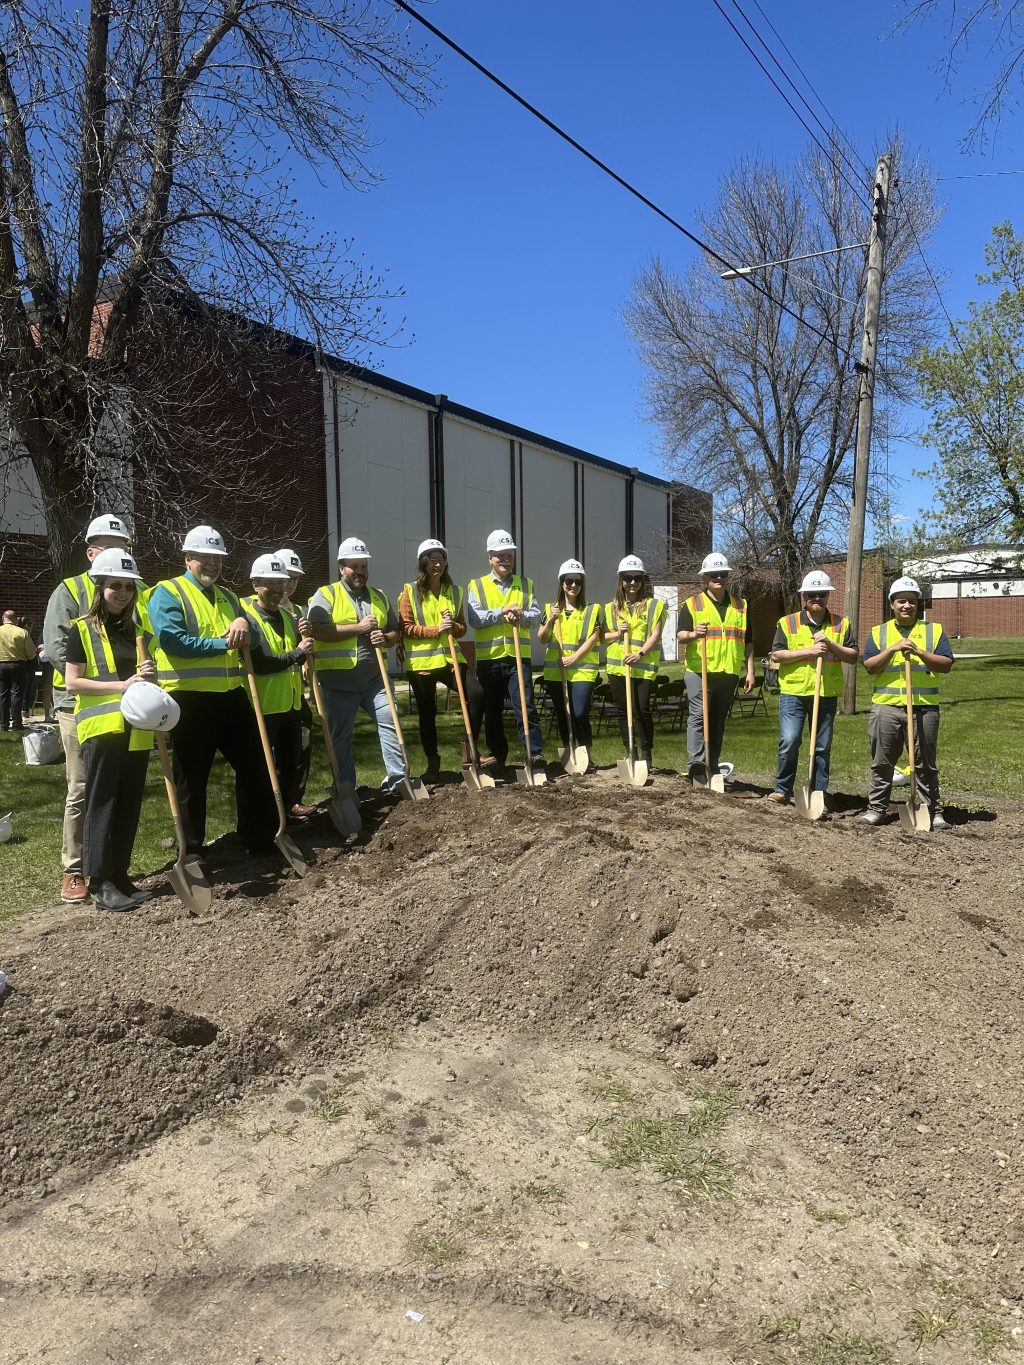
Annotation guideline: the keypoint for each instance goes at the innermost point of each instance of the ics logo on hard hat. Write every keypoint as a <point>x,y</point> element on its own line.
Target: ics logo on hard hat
<point>128,564</point>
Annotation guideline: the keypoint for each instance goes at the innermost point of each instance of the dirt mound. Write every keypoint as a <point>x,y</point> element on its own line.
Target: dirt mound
<point>860,986</point>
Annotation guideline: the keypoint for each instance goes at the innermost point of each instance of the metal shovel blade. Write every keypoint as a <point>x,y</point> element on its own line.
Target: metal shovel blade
<point>413,789</point>
<point>291,852</point>
<point>344,810</point>
<point>574,760</point>
<point>633,771</point>
<point>811,805</point>
<point>529,776</point>
<point>915,818</point>
<point>474,779</point>
<point>191,888</point>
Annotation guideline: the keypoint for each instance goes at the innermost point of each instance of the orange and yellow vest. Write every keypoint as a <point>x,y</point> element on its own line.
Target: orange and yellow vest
<point>726,637</point>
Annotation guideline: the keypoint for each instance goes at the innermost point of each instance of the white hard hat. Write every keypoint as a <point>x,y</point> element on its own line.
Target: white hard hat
<point>572,566</point>
<point>715,563</point>
<point>426,545</point>
<point>204,540</point>
<point>106,525</point>
<point>269,566</point>
<point>498,541</point>
<point>149,707</point>
<point>816,581</point>
<point>632,564</point>
<point>904,584</point>
<point>114,564</point>
<point>292,562</point>
<point>6,827</point>
<point>353,548</point>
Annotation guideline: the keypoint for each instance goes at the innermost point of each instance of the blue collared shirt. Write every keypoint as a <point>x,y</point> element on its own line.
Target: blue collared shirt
<point>479,615</point>
<point>168,621</point>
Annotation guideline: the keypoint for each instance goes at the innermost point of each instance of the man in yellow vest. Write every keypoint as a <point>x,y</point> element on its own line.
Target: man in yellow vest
<point>199,628</point>
<point>350,621</point>
<point>279,646</point>
<point>931,656</point>
<point>69,600</point>
<point>717,616</point>
<point>801,639</point>
<point>494,603</point>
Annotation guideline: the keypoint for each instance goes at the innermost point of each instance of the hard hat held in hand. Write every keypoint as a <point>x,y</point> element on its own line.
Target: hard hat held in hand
<point>353,548</point>
<point>572,566</point>
<point>6,827</point>
<point>107,525</point>
<point>816,581</point>
<point>114,564</point>
<point>148,707</point>
<point>499,541</point>
<point>715,563</point>
<point>427,545</point>
<point>269,567</point>
<point>904,585</point>
<point>632,564</point>
<point>292,562</point>
<point>204,540</point>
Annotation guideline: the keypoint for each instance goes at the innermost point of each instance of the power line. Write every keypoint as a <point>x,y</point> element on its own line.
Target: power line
<point>978,175</point>
<point>603,166</point>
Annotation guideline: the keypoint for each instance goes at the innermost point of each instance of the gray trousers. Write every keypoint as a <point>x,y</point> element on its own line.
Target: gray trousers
<point>887,731</point>
<point>721,690</point>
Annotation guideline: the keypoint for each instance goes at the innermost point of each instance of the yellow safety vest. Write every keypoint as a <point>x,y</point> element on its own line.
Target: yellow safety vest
<point>726,637</point>
<point>82,588</point>
<point>495,642</point>
<point>797,676</point>
<point>100,712</point>
<point>642,620</point>
<point>205,620</point>
<point>277,691</point>
<point>426,653</point>
<point>575,626</point>
<point>890,683</point>
<point>342,653</point>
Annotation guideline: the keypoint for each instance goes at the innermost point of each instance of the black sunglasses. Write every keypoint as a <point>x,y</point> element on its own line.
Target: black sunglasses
<point>573,582</point>
<point>632,577</point>
<point>816,596</point>
<point>718,575</point>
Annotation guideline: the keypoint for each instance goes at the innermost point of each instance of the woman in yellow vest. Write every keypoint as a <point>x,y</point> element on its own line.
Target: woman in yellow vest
<point>801,639</point>
<point>633,622</point>
<point>431,612</point>
<point>102,654</point>
<point>570,620</point>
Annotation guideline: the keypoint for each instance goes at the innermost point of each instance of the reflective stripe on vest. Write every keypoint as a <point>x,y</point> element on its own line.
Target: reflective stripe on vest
<point>81,589</point>
<point>642,620</point>
<point>495,642</point>
<point>205,620</point>
<point>796,678</point>
<point>280,691</point>
<point>726,636</point>
<point>431,652</point>
<point>342,653</point>
<point>890,684</point>
<point>574,627</point>
<point>100,712</point>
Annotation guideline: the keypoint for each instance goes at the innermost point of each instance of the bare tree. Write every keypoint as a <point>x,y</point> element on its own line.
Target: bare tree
<point>147,211</point>
<point>756,405</point>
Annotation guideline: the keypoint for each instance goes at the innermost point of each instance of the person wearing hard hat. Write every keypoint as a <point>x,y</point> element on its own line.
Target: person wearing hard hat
<point>494,604</point>
<point>716,615</point>
<point>431,612</point>
<point>801,639</point>
<point>279,646</point>
<point>70,599</point>
<point>296,573</point>
<point>578,626</point>
<point>200,627</point>
<point>101,663</point>
<point>931,656</point>
<point>350,621</point>
<point>633,622</point>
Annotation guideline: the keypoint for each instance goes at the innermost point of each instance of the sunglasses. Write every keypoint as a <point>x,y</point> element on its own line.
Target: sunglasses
<point>632,577</point>
<point>718,576</point>
<point>573,582</point>
<point>816,596</point>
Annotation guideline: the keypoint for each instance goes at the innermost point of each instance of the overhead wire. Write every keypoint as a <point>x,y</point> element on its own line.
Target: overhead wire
<point>608,170</point>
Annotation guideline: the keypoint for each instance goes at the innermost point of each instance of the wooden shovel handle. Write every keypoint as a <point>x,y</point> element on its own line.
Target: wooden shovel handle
<point>814,721</point>
<point>908,684</point>
<point>261,725</point>
<point>463,705</point>
<point>521,676</point>
<point>704,704</point>
<point>382,664</point>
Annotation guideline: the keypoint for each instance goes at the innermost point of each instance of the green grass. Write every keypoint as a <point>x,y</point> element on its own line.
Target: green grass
<point>980,743</point>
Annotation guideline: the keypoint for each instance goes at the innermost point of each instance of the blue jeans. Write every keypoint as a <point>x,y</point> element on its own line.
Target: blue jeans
<point>499,680</point>
<point>342,708</point>
<point>794,713</point>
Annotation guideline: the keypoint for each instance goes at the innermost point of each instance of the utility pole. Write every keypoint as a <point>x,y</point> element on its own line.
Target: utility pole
<point>865,416</point>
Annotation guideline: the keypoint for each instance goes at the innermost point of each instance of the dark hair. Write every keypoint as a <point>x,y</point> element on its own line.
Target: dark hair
<point>646,590</point>
<point>560,599</point>
<point>421,576</point>
<point>101,619</point>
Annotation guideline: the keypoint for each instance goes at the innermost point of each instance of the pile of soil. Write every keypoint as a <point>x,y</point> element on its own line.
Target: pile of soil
<point>860,987</point>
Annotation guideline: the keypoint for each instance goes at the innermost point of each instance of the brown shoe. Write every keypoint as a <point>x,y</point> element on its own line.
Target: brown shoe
<point>780,798</point>
<point>73,888</point>
<point>299,812</point>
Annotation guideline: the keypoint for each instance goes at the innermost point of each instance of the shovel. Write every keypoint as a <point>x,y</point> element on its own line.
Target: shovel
<point>526,777</point>
<point>913,816</point>
<point>811,804</point>
<point>631,769</point>
<point>575,759</point>
<point>715,781</point>
<point>344,808</point>
<point>474,779</point>
<point>411,787</point>
<point>290,850</point>
<point>190,886</point>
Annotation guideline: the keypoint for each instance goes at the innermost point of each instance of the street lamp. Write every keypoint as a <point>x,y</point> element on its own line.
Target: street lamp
<point>743,270</point>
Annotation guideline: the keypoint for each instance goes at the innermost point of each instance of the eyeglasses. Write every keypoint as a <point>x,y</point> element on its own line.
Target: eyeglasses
<point>438,562</point>
<point>573,582</point>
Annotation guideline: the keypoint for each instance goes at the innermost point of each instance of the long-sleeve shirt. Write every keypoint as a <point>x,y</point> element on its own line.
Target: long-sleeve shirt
<point>16,645</point>
<point>168,619</point>
<point>418,632</point>
<point>61,610</point>
<point>479,615</point>
<point>263,660</point>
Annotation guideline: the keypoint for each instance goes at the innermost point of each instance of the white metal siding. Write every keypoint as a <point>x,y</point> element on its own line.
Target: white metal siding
<point>476,494</point>
<point>650,526</point>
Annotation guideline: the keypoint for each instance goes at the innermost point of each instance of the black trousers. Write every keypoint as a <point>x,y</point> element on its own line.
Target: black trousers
<point>115,779</point>
<point>498,679</point>
<point>224,722</point>
<point>12,685</point>
<point>424,689</point>
<point>579,700</point>
<point>643,722</point>
<point>285,731</point>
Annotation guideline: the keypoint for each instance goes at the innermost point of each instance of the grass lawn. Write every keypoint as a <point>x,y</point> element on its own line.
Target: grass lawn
<point>981,753</point>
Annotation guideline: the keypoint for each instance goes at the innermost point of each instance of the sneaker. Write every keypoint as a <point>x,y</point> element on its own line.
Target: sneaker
<point>73,888</point>
<point>779,798</point>
<point>940,825</point>
<point>871,818</point>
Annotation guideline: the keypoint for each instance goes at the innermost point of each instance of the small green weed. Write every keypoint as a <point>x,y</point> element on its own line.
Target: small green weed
<point>540,1194</point>
<point>711,1111</point>
<point>839,1347</point>
<point>330,1106</point>
<point>665,1143</point>
<point>437,1250</point>
<point>783,1329</point>
<point>992,1337</point>
<point>608,1087</point>
<point>829,1215</point>
<point>926,1327</point>
<point>379,1119</point>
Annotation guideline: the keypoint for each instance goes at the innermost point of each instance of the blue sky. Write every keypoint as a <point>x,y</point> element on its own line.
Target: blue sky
<point>516,255</point>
